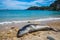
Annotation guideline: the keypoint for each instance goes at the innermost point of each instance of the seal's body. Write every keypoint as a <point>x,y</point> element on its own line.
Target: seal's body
<point>30,28</point>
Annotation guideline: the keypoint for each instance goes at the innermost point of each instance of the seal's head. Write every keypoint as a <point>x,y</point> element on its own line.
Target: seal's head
<point>23,30</point>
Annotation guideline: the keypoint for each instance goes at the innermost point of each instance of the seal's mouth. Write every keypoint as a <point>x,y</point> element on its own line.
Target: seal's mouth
<point>19,35</point>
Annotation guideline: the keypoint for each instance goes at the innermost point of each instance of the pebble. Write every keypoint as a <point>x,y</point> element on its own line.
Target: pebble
<point>50,38</point>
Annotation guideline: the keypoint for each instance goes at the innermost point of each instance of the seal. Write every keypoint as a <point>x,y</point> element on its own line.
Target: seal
<point>31,28</point>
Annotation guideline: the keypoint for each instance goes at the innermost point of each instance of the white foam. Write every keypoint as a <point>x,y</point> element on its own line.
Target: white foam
<point>5,22</point>
<point>18,21</point>
<point>11,22</point>
<point>45,19</point>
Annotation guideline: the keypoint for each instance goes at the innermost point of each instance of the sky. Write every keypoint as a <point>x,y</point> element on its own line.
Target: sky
<point>23,4</point>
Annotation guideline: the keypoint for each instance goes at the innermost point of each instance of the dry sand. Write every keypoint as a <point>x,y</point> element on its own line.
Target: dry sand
<point>9,32</point>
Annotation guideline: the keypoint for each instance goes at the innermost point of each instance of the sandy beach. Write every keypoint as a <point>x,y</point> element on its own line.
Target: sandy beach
<point>8,31</point>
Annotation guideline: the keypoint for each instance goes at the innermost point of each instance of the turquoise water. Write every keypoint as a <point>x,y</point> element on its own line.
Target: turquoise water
<point>16,15</point>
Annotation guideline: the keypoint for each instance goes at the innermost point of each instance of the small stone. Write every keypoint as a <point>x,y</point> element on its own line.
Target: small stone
<point>12,27</point>
<point>50,38</point>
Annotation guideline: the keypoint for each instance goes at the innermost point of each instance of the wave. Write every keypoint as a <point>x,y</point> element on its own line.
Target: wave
<point>45,19</point>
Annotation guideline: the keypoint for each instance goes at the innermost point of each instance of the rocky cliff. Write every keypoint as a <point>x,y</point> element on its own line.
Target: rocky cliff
<point>53,6</point>
<point>37,8</point>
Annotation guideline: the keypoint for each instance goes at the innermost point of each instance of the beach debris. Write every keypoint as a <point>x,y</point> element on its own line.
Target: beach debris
<point>32,28</point>
<point>29,22</point>
<point>12,27</point>
<point>50,38</point>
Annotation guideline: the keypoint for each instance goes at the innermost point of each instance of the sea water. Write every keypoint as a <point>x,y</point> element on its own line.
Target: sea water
<point>18,15</point>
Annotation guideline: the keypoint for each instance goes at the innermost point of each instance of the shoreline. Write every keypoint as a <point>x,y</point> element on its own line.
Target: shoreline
<point>40,20</point>
<point>9,30</point>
